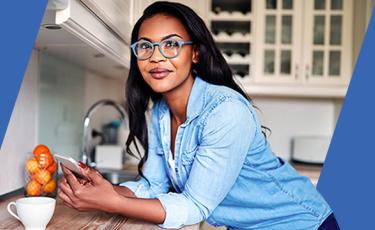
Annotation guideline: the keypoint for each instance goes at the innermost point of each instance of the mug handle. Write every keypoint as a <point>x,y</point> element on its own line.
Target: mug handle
<point>10,210</point>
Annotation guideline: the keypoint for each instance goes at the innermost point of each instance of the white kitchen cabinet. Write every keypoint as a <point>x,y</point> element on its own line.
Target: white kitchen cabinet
<point>85,25</point>
<point>305,44</point>
<point>328,46</point>
<point>116,14</point>
<point>93,34</point>
<point>279,41</point>
<point>280,53</point>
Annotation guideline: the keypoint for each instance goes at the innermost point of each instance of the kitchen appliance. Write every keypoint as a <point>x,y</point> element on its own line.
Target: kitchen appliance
<point>109,156</point>
<point>310,149</point>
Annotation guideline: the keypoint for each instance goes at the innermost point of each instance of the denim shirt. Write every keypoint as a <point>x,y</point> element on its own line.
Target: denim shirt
<point>225,170</point>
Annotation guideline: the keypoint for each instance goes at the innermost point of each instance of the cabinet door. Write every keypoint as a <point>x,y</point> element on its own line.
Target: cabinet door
<point>328,41</point>
<point>116,14</point>
<point>278,40</point>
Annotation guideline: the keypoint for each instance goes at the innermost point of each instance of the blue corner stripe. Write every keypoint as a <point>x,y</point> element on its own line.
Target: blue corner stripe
<point>347,180</point>
<point>19,27</point>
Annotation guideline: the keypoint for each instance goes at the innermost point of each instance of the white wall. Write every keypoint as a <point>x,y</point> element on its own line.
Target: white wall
<point>20,137</point>
<point>98,88</point>
<point>66,93</point>
<point>291,117</point>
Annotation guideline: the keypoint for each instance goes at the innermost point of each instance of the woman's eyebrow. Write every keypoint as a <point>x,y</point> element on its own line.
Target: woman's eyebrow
<point>171,35</point>
<point>163,38</point>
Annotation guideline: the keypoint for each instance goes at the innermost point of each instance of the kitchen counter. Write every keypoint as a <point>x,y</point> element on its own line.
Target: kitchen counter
<point>310,171</point>
<point>71,219</point>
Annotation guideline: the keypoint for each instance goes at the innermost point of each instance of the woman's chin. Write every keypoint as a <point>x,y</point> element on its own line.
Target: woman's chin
<point>161,88</point>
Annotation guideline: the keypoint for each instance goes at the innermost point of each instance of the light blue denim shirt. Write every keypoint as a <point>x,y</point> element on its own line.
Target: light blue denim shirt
<point>225,170</point>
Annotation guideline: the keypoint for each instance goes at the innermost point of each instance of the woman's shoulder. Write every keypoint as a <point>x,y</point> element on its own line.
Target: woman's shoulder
<point>218,94</point>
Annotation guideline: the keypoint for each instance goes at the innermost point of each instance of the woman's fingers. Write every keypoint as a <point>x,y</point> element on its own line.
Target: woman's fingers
<point>83,181</point>
<point>93,175</point>
<point>65,187</point>
<point>65,170</point>
<point>71,178</point>
<point>67,201</point>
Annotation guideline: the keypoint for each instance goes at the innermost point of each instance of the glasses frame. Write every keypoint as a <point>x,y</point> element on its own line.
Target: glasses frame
<point>153,44</point>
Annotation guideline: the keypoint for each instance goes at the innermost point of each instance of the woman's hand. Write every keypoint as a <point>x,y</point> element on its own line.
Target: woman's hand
<point>95,193</point>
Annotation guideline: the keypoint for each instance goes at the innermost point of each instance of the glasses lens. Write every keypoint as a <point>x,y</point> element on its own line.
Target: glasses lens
<point>143,49</point>
<point>170,48</point>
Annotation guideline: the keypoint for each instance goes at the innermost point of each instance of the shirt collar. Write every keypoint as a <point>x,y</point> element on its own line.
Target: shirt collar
<point>195,103</point>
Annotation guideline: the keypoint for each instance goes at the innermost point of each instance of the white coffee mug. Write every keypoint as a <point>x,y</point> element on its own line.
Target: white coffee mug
<point>33,212</point>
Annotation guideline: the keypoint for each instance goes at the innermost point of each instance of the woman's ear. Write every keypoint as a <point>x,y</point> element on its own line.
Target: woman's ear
<point>195,57</point>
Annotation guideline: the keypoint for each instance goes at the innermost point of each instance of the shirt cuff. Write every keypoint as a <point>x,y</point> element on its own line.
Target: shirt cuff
<point>138,188</point>
<point>175,209</point>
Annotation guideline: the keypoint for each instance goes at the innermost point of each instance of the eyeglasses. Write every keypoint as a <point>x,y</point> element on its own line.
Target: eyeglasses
<point>169,48</point>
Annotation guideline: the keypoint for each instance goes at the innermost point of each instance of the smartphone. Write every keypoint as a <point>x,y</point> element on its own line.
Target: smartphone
<point>70,163</point>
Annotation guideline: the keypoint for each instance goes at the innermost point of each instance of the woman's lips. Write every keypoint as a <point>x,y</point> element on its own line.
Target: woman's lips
<point>159,73</point>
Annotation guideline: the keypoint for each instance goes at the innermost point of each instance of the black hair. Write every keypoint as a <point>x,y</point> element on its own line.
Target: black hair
<point>211,67</point>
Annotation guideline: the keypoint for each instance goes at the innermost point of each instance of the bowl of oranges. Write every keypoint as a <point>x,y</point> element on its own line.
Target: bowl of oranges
<point>41,173</point>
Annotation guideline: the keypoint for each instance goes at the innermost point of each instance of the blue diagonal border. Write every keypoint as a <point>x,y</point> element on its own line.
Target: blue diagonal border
<point>347,180</point>
<point>19,23</point>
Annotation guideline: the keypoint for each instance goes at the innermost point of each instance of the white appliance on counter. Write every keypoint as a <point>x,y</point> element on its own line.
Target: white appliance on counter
<point>109,156</point>
<point>310,149</point>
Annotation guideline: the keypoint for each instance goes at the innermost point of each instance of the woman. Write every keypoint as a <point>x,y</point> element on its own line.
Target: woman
<point>206,157</point>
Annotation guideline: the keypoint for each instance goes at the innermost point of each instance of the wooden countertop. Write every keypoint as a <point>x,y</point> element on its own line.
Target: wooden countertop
<point>71,219</point>
<point>311,171</point>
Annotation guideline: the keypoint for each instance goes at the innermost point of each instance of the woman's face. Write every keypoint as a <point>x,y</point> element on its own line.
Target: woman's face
<point>166,74</point>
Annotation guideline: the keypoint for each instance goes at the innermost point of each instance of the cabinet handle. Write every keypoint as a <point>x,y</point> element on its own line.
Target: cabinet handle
<point>296,68</point>
<point>307,71</point>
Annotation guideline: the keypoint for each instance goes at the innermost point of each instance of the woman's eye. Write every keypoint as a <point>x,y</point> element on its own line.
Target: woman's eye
<point>144,46</point>
<point>171,44</point>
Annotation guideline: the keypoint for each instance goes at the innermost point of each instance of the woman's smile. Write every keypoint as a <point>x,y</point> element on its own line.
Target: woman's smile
<point>159,73</point>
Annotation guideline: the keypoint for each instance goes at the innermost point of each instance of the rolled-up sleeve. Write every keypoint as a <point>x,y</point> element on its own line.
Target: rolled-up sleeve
<point>153,168</point>
<point>227,135</point>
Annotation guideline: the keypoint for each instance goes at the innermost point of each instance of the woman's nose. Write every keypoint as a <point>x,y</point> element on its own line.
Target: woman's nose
<point>157,56</point>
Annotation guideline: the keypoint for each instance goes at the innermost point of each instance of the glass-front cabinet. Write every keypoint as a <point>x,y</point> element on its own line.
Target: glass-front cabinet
<point>328,41</point>
<point>278,39</point>
<point>303,41</point>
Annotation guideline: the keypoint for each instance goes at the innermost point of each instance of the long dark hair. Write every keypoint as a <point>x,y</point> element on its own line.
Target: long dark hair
<point>211,67</point>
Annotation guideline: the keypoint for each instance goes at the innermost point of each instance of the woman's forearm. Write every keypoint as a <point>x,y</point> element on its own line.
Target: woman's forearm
<point>150,210</point>
<point>124,191</point>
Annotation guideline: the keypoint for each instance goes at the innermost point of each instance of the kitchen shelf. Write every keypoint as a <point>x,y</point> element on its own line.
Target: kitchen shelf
<point>232,39</point>
<point>238,60</point>
<point>230,16</point>
<point>231,27</point>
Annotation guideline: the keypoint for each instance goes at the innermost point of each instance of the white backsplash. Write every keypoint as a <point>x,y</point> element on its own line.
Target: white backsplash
<point>61,105</point>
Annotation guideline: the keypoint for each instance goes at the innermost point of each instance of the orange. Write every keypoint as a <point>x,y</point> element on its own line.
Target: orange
<point>45,159</point>
<point>32,166</point>
<point>52,168</point>
<point>42,177</point>
<point>33,188</point>
<point>40,149</point>
<point>50,186</point>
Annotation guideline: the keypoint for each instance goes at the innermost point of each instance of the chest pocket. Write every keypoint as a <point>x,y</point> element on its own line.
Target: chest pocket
<point>160,153</point>
<point>188,156</point>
